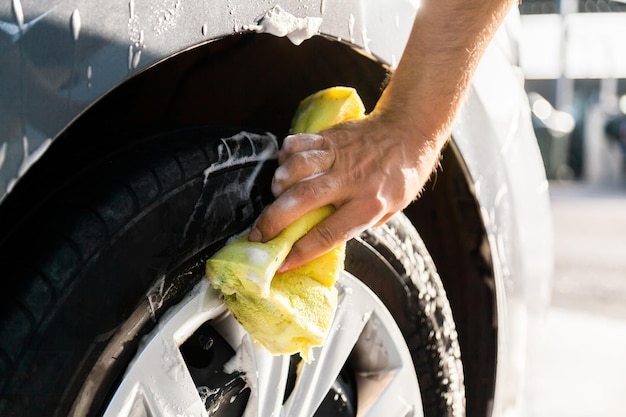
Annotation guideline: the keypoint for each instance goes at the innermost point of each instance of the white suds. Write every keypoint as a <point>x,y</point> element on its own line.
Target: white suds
<point>31,157</point>
<point>3,154</point>
<point>257,256</point>
<point>278,22</point>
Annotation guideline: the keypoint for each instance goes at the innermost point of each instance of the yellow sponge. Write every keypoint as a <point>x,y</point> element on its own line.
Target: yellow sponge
<point>289,312</point>
<point>298,312</point>
<point>327,108</point>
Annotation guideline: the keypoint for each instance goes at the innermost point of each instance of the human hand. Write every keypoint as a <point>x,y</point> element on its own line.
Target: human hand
<point>367,170</point>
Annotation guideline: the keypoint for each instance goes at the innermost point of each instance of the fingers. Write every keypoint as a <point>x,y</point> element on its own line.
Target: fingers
<point>300,143</point>
<point>300,166</point>
<point>294,203</point>
<point>361,170</point>
<point>296,184</point>
<point>344,224</point>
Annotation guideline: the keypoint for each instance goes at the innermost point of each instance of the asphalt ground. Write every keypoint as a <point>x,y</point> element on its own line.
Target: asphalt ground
<point>579,368</point>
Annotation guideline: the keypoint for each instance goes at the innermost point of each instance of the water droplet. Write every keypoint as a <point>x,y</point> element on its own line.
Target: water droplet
<point>366,40</point>
<point>351,27</point>
<point>75,24</point>
<point>205,29</point>
<point>3,153</point>
<point>89,75</point>
<point>18,12</point>
<point>136,59</point>
<point>130,57</point>
<point>131,9</point>
<point>165,16</point>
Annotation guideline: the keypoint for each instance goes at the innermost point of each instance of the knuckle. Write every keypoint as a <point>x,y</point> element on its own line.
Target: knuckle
<point>311,140</point>
<point>321,158</point>
<point>377,206</point>
<point>311,190</point>
<point>299,159</point>
<point>311,157</point>
<point>308,163</point>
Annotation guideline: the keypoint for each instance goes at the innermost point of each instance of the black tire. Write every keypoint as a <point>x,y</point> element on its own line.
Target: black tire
<point>393,261</point>
<point>102,260</point>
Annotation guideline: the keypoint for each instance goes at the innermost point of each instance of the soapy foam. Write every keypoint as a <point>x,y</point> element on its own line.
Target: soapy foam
<point>265,148</point>
<point>278,22</point>
<point>31,157</point>
<point>257,256</point>
<point>263,283</point>
<point>3,154</point>
<point>226,158</point>
<point>287,203</point>
<point>311,140</point>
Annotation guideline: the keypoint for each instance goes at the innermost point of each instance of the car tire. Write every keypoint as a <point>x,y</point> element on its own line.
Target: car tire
<point>95,268</point>
<point>394,262</point>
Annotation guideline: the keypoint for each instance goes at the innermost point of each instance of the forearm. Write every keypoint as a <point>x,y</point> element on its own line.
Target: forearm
<point>447,41</point>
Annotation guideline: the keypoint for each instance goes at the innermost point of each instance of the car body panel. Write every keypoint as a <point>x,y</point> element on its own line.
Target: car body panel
<point>496,141</point>
<point>61,57</point>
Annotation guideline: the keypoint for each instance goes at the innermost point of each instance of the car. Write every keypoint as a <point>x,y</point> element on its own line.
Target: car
<point>140,136</point>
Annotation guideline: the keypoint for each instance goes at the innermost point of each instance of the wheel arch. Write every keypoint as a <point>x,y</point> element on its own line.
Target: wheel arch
<point>447,217</point>
<point>247,81</point>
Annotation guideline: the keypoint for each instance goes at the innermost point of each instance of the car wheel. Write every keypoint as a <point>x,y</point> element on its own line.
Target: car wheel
<point>107,311</point>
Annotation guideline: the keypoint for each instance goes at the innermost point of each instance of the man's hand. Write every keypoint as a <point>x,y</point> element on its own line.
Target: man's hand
<point>367,169</point>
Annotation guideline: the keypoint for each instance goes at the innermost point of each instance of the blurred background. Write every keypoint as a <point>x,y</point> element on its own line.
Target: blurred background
<point>573,53</point>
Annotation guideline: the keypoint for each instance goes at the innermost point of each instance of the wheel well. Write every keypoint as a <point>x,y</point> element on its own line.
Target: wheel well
<point>256,81</point>
<point>250,80</point>
<point>448,219</point>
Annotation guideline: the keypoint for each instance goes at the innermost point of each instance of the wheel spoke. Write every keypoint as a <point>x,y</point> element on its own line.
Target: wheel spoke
<point>384,370</point>
<point>161,386</point>
<point>316,378</point>
<point>366,332</point>
<point>388,393</point>
<point>265,374</point>
<point>272,372</point>
<point>158,383</point>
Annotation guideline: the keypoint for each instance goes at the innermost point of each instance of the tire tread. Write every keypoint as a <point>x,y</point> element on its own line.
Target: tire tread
<point>73,226</point>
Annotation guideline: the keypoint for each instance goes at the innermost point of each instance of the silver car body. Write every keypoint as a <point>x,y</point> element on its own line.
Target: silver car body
<point>493,132</point>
